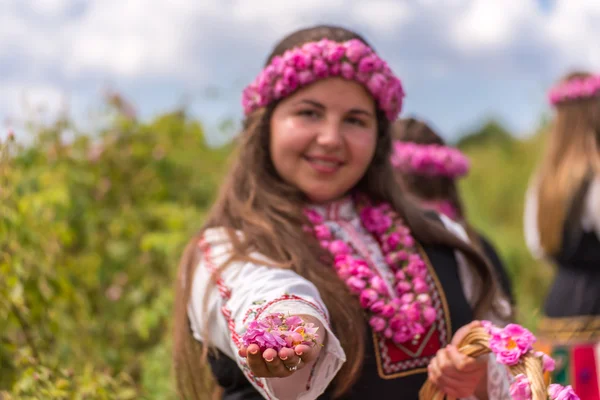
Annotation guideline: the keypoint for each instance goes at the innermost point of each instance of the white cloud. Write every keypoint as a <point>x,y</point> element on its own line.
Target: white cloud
<point>382,15</point>
<point>573,27</point>
<point>49,46</point>
<point>487,25</point>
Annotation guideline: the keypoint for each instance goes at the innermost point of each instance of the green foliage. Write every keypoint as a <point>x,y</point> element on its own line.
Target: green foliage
<point>90,235</point>
<point>494,194</point>
<point>91,231</point>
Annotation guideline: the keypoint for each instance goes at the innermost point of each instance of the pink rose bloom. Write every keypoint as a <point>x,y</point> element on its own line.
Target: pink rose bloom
<point>400,275</point>
<point>335,69</point>
<point>402,255</point>
<point>548,362</point>
<point>368,297</point>
<point>292,339</point>
<point>397,322</point>
<point>376,84</point>
<point>324,244</point>
<point>511,343</point>
<point>388,333</point>
<point>558,392</point>
<point>417,329</point>
<point>523,337</point>
<point>412,312</point>
<point>424,299</point>
<point>416,269</point>
<point>377,323</point>
<point>313,216</point>
<point>368,64</point>
<point>306,77</point>
<point>301,60</point>
<point>379,285</point>
<point>489,327</point>
<point>278,64</point>
<point>403,335</point>
<point>520,389</point>
<point>312,49</point>
<point>320,68</point>
<point>393,240</point>
<point>402,287</point>
<point>339,247</point>
<point>375,220</point>
<point>408,241</point>
<point>407,298</point>
<point>347,71</point>
<point>429,315</point>
<point>290,78</point>
<point>280,89</point>
<point>377,307</point>
<point>334,53</point>
<point>391,259</point>
<point>322,232</point>
<point>355,284</point>
<point>259,332</point>
<point>388,311</point>
<point>420,285</point>
<point>293,322</point>
<point>355,49</point>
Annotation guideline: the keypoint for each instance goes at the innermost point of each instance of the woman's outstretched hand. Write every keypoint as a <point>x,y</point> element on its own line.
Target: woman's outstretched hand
<point>271,364</point>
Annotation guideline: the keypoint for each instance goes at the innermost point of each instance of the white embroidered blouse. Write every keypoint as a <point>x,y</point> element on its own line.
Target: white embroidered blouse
<point>245,291</point>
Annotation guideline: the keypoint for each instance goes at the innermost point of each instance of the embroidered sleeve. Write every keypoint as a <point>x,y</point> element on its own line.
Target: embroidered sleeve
<point>245,291</point>
<point>530,223</point>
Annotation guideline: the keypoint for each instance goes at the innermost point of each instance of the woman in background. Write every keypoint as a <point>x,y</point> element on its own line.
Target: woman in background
<point>428,169</point>
<point>562,225</point>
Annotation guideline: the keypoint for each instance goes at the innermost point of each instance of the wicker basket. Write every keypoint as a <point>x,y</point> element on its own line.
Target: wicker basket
<point>475,344</point>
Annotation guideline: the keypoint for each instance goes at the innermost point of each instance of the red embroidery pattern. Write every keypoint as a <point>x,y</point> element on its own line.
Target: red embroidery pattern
<point>225,293</point>
<point>394,360</point>
<point>286,297</point>
<point>411,358</point>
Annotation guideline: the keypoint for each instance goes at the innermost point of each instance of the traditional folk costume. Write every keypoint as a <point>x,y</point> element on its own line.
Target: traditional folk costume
<point>391,370</point>
<point>414,297</point>
<point>571,326</point>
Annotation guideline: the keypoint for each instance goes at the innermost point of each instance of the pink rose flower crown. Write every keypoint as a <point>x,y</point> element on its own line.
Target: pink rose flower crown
<point>429,160</point>
<point>301,66</point>
<point>575,89</point>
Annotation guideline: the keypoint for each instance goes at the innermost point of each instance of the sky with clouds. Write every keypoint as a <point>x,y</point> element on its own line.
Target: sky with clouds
<point>461,61</point>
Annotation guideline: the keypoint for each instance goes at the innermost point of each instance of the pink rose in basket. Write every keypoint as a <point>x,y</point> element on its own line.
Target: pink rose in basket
<point>558,392</point>
<point>511,343</point>
<point>520,389</point>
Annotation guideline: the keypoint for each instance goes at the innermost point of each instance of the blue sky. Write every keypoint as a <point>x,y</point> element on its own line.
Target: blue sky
<point>461,61</point>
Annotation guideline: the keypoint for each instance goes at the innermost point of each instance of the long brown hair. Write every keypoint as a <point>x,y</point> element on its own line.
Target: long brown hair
<point>256,201</point>
<point>571,154</point>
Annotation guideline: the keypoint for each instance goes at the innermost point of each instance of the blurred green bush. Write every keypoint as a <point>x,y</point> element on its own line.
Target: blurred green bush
<point>91,229</point>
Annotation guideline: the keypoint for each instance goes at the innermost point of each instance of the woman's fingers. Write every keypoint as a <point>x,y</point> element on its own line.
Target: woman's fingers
<point>256,362</point>
<point>273,364</point>
<point>290,359</point>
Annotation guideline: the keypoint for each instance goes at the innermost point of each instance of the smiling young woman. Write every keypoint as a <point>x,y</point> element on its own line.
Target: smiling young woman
<point>309,222</point>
